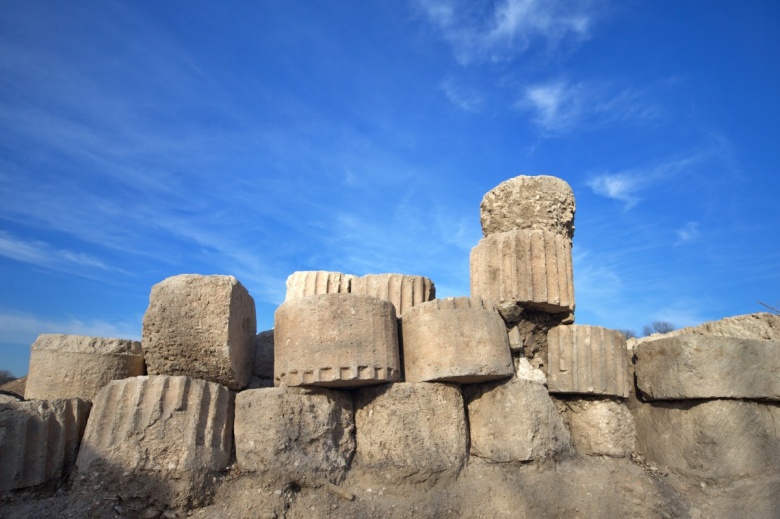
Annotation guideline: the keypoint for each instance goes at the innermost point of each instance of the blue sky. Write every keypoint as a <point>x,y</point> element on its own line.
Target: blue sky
<point>146,139</point>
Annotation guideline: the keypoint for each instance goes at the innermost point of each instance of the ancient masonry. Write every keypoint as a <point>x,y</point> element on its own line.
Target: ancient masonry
<point>375,375</point>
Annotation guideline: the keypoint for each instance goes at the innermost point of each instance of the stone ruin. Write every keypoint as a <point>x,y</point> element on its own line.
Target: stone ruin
<point>370,385</point>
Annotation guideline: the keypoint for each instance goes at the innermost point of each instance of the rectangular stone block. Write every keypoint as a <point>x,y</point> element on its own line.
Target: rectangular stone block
<point>531,268</point>
<point>600,427</point>
<point>702,366</point>
<point>313,282</point>
<point>713,440</point>
<point>295,434</point>
<point>587,360</point>
<point>74,366</point>
<point>410,431</point>
<point>157,438</point>
<point>514,421</point>
<point>402,290</point>
<point>39,440</point>
<point>201,327</point>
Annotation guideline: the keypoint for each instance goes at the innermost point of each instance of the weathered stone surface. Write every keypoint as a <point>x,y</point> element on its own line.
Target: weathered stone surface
<point>264,355</point>
<point>158,437</point>
<point>15,386</point>
<point>709,440</point>
<point>313,282</point>
<point>413,431</point>
<point>761,326</point>
<point>529,202</point>
<point>201,327</point>
<point>515,420</point>
<point>39,440</point>
<point>295,434</point>
<point>531,268</point>
<point>402,290</point>
<point>455,339</point>
<point>524,370</point>
<point>74,366</point>
<point>587,360</point>
<point>600,427</point>
<point>9,397</point>
<point>335,340</point>
<point>706,366</point>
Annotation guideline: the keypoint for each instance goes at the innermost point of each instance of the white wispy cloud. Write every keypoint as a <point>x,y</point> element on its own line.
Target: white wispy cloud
<point>465,98</point>
<point>625,186</point>
<point>497,31</point>
<point>560,106</point>
<point>43,254</point>
<point>688,232</point>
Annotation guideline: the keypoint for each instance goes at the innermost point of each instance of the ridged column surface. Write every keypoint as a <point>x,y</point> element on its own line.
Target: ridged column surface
<point>313,282</point>
<point>588,360</point>
<point>402,290</point>
<point>532,268</point>
<point>39,440</point>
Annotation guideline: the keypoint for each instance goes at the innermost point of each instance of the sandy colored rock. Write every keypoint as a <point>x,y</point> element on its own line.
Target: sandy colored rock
<point>600,427</point>
<point>304,435</point>
<point>706,366</point>
<point>531,268</point>
<point>39,440</point>
<point>15,386</point>
<point>530,203</point>
<point>313,282</point>
<point>158,438</point>
<point>335,340</point>
<point>264,355</point>
<point>709,440</point>
<point>201,327</point>
<point>455,339</point>
<point>402,290</point>
<point>515,420</point>
<point>75,366</point>
<point>410,431</point>
<point>587,360</point>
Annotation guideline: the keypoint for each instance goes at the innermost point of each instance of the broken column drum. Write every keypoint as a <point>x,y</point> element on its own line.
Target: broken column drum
<point>455,339</point>
<point>402,290</point>
<point>335,340</point>
<point>313,282</point>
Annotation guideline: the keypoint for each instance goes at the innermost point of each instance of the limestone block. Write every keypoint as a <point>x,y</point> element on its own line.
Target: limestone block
<point>761,326</point>
<point>201,327</point>
<point>707,366</point>
<point>600,427</point>
<point>455,339</point>
<point>295,434</point>
<point>709,440</point>
<point>531,268</point>
<point>401,290</point>
<point>39,440</point>
<point>529,202</point>
<point>335,340</point>
<point>413,431</point>
<point>587,360</point>
<point>264,355</point>
<point>312,282</point>
<point>515,420</point>
<point>74,366</point>
<point>158,438</point>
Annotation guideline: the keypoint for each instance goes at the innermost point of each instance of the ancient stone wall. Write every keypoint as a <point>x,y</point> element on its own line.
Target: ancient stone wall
<point>420,392</point>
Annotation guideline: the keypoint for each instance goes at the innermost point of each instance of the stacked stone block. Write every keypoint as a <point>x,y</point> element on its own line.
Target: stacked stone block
<point>161,436</point>
<point>39,440</point>
<point>708,405</point>
<point>455,339</point>
<point>303,435</point>
<point>74,366</point>
<point>201,327</point>
<point>335,340</point>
